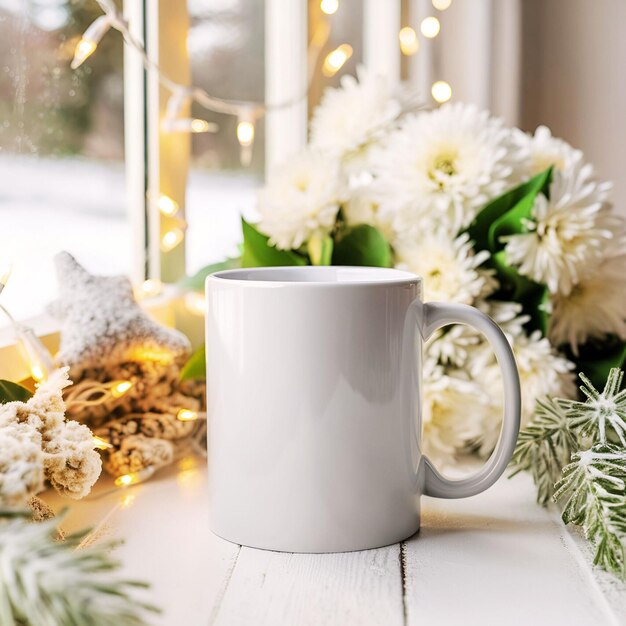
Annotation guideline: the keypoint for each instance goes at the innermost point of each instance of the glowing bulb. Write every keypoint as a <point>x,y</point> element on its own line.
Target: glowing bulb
<point>195,303</point>
<point>167,205</point>
<point>89,41</point>
<point>188,125</point>
<point>126,480</point>
<point>245,133</point>
<point>100,443</point>
<point>441,91</point>
<point>186,415</point>
<point>148,289</point>
<point>442,5</point>
<point>119,389</point>
<point>171,239</point>
<point>200,126</point>
<point>37,372</point>
<point>336,59</point>
<point>430,27</point>
<point>409,43</point>
<point>329,6</point>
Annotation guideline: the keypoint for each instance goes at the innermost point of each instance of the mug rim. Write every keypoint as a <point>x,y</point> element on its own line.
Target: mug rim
<point>385,276</point>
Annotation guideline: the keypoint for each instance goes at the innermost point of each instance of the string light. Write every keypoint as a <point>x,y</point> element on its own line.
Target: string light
<point>336,59</point>
<point>33,352</point>
<point>100,443</point>
<point>88,43</point>
<point>442,5</point>
<point>329,6</point>
<point>168,206</point>
<point>121,388</point>
<point>409,43</point>
<point>441,91</point>
<point>126,480</point>
<point>186,415</point>
<point>195,303</point>
<point>148,289</point>
<point>182,95</point>
<point>430,27</point>
<point>245,137</point>
<point>171,239</point>
<point>188,125</point>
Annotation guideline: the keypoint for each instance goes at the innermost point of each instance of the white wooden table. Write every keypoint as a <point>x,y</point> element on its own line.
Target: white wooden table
<point>496,558</point>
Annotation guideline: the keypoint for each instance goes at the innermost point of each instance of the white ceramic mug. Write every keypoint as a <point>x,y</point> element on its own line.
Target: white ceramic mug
<point>313,386</point>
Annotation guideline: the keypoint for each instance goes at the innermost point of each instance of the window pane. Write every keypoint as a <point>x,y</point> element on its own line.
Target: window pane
<point>226,46</point>
<point>61,149</point>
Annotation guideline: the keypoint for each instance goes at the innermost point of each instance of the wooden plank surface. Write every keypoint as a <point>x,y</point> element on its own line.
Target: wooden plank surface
<point>353,588</point>
<point>496,558</point>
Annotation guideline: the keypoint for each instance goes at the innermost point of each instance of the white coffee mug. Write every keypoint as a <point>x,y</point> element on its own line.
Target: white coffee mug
<point>313,387</point>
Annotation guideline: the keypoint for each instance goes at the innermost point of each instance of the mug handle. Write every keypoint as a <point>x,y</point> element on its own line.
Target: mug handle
<point>434,316</point>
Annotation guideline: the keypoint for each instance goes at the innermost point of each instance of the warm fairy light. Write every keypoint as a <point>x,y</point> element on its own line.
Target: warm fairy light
<point>37,372</point>
<point>186,415</point>
<point>442,5</point>
<point>100,443</point>
<point>200,126</point>
<point>195,303</point>
<point>119,389</point>
<point>89,41</point>
<point>329,6</point>
<point>168,206</point>
<point>245,133</point>
<point>441,91</point>
<point>336,59</point>
<point>188,125</point>
<point>171,239</point>
<point>430,27</point>
<point>126,480</point>
<point>149,288</point>
<point>409,43</point>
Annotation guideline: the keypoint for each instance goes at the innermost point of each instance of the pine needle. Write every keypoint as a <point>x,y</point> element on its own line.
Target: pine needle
<point>545,447</point>
<point>44,582</point>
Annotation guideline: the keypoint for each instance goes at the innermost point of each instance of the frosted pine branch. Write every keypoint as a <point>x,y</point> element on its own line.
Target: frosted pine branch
<point>545,447</point>
<point>44,582</point>
<point>603,413</point>
<point>595,487</point>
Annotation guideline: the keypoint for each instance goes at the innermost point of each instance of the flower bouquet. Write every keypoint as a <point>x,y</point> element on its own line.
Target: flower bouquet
<point>514,224</point>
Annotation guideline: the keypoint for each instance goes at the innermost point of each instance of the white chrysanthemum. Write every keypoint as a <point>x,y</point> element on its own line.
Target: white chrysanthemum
<point>301,198</point>
<point>544,151</point>
<point>567,233</point>
<point>352,117</point>
<point>441,167</point>
<point>542,371</point>
<point>451,412</point>
<point>362,208</point>
<point>594,308</point>
<point>448,266</point>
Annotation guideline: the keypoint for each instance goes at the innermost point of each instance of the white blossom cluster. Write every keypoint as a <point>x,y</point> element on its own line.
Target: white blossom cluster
<point>421,178</point>
<point>37,444</point>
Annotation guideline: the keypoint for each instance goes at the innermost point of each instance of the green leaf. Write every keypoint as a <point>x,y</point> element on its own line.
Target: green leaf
<point>196,282</point>
<point>480,229</point>
<point>257,251</point>
<point>362,245</point>
<point>320,250</point>
<point>596,358</point>
<point>12,392</point>
<point>195,368</point>
<point>533,296</point>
